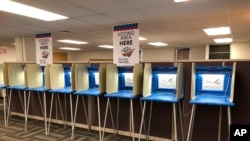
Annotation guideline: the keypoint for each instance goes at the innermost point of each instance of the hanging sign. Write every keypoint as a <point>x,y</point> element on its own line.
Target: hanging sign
<point>44,54</point>
<point>126,44</point>
<point>3,49</point>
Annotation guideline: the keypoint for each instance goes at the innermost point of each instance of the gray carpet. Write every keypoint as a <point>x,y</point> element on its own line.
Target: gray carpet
<point>15,132</point>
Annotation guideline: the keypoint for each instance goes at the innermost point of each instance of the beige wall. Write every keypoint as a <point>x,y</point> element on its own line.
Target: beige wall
<point>29,49</point>
<point>85,56</point>
<point>158,54</point>
<point>149,55</point>
<point>198,53</point>
<point>240,50</point>
<point>10,56</point>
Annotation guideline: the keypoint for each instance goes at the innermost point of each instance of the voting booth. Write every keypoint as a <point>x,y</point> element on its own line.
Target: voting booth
<point>123,82</point>
<point>60,84</point>
<point>213,86</point>
<point>35,80</point>
<point>90,81</point>
<point>17,81</point>
<point>3,90</point>
<point>163,84</point>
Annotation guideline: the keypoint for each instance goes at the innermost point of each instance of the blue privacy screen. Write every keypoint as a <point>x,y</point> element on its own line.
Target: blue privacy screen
<point>213,80</point>
<point>67,76</point>
<point>93,76</point>
<point>164,79</point>
<point>125,78</point>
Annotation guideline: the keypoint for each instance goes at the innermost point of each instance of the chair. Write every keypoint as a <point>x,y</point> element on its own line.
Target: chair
<point>123,83</point>
<point>213,86</point>
<point>163,84</point>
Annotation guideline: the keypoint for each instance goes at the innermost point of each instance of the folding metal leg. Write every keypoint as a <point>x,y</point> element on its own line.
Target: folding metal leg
<point>132,118</point>
<point>149,121</point>
<point>26,108</point>
<point>105,119</point>
<point>181,123</point>
<point>40,102</point>
<point>3,91</point>
<point>71,115</point>
<point>219,127</point>
<point>99,118</point>
<point>7,121</point>
<point>108,107</point>
<point>65,110</point>
<point>51,105</point>
<point>117,116</point>
<point>21,100</point>
<point>229,119</point>
<point>74,117</point>
<point>45,113</point>
<point>86,115</point>
<point>10,102</point>
<point>174,121</point>
<point>190,129</point>
<point>60,107</point>
<point>142,119</point>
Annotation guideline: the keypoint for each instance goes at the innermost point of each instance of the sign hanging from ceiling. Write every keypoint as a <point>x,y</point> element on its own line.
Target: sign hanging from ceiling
<point>126,44</point>
<point>44,54</point>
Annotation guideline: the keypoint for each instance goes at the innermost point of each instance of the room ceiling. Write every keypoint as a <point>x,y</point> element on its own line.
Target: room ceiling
<point>178,24</point>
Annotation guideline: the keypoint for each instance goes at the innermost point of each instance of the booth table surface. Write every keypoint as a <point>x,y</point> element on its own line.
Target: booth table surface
<point>66,90</point>
<point>89,92</point>
<point>37,89</point>
<point>211,100</point>
<point>21,87</point>
<point>2,86</point>
<point>171,98</point>
<point>127,94</point>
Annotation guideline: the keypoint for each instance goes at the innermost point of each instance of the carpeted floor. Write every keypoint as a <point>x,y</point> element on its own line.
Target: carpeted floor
<point>15,132</point>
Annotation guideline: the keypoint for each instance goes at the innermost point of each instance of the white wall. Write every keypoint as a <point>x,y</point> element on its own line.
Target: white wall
<point>10,56</point>
<point>149,55</point>
<point>240,50</point>
<point>85,56</point>
<point>29,49</point>
<point>198,53</point>
<point>158,54</point>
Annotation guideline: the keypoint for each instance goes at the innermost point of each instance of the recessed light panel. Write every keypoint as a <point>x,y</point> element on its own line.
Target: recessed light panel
<point>69,48</point>
<point>142,39</point>
<point>72,42</point>
<point>223,40</point>
<point>105,46</point>
<point>29,11</point>
<point>217,31</point>
<point>158,44</point>
<point>176,1</point>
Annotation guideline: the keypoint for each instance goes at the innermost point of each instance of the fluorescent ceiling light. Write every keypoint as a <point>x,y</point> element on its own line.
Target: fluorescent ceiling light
<point>142,38</point>
<point>180,1</point>
<point>106,46</point>
<point>29,11</point>
<point>69,48</point>
<point>158,44</point>
<point>217,31</point>
<point>223,40</point>
<point>73,42</point>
